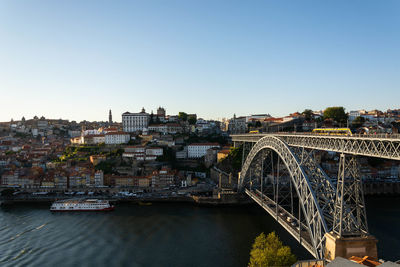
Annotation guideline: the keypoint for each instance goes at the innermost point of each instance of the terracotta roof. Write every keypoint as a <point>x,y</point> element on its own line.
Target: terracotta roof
<point>367,261</point>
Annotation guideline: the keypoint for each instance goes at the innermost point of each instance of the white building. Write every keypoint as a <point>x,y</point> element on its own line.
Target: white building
<point>200,149</point>
<point>72,133</point>
<point>181,154</point>
<point>93,139</point>
<point>135,149</point>
<point>133,122</point>
<point>154,151</point>
<point>353,115</point>
<point>115,138</point>
<point>35,132</point>
<point>90,132</point>
<point>142,153</point>
<point>99,178</point>
<point>257,117</point>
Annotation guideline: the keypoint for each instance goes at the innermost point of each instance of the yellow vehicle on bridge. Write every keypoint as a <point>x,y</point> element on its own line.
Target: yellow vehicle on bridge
<point>332,131</point>
<point>254,132</point>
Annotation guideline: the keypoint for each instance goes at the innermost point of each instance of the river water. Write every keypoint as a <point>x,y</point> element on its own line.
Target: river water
<point>159,235</point>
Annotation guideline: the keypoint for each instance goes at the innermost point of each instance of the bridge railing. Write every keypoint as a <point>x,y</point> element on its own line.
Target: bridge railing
<point>378,135</point>
<point>372,136</point>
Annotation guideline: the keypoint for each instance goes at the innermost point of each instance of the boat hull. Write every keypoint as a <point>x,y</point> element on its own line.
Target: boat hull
<point>72,210</point>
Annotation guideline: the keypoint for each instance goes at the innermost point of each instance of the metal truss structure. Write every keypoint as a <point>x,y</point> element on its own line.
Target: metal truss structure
<point>306,189</point>
<point>369,146</point>
<point>350,217</point>
<point>325,207</point>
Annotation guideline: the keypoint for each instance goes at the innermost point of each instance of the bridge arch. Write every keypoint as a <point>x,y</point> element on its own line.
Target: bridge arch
<point>313,210</point>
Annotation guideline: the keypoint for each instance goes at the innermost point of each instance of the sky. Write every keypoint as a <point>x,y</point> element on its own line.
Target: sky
<point>77,59</point>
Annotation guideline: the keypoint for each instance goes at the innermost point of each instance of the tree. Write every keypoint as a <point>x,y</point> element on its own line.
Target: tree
<point>183,116</point>
<point>192,120</point>
<point>236,154</point>
<point>151,118</point>
<point>335,113</point>
<point>308,114</point>
<point>358,122</point>
<point>269,251</point>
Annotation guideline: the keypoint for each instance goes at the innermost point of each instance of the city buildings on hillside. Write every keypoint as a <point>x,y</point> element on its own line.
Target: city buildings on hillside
<point>161,114</point>
<point>168,128</point>
<point>374,116</point>
<point>134,122</point>
<point>91,139</point>
<point>237,125</point>
<point>163,178</point>
<point>131,181</point>
<point>257,117</point>
<point>199,150</point>
<point>116,138</point>
<point>142,153</point>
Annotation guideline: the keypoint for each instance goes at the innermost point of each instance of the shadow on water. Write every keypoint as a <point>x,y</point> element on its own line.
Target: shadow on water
<point>383,214</point>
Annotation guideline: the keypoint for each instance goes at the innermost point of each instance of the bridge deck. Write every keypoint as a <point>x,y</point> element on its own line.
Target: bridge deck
<point>381,146</point>
<point>297,230</point>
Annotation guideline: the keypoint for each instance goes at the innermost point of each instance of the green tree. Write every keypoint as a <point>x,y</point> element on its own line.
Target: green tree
<point>151,118</point>
<point>335,113</point>
<point>192,120</point>
<point>269,251</point>
<point>358,122</point>
<point>236,154</point>
<point>105,166</point>
<point>308,114</point>
<point>183,116</point>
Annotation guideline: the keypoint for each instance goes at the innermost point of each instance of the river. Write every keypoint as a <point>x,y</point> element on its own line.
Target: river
<point>159,235</point>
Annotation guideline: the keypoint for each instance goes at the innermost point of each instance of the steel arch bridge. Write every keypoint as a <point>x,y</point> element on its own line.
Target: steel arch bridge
<point>325,207</point>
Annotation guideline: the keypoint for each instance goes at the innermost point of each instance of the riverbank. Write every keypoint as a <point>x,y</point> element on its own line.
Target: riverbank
<point>380,188</point>
<point>221,199</point>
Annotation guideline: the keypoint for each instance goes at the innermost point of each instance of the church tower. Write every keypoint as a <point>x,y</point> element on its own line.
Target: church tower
<point>110,117</point>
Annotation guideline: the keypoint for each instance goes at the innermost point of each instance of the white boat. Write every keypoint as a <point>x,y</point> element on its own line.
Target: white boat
<point>81,205</point>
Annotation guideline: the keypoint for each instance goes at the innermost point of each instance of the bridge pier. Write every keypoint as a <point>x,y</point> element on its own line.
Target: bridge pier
<point>345,247</point>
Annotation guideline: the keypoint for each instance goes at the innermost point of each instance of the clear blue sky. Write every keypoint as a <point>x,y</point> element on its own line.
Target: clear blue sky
<point>77,59</point>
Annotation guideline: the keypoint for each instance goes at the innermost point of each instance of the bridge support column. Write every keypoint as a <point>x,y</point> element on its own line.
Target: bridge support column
<point>346,247</point>
<point>349,236</point>
<point>350,217</point>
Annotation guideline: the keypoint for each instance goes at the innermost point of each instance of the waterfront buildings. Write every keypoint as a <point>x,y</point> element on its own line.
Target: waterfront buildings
<point>99,178</point>
<point>163,178</point>
<point>132,181</point>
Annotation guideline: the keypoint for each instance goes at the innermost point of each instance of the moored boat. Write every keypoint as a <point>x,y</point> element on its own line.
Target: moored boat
<point>81,205</point>
<point>145,203</point>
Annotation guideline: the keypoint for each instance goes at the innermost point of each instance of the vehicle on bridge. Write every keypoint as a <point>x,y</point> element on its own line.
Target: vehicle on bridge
<point>255,132</point>
<point>332,131</point>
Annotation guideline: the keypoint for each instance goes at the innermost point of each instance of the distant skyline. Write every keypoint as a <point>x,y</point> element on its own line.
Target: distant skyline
<point>77,59</point>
